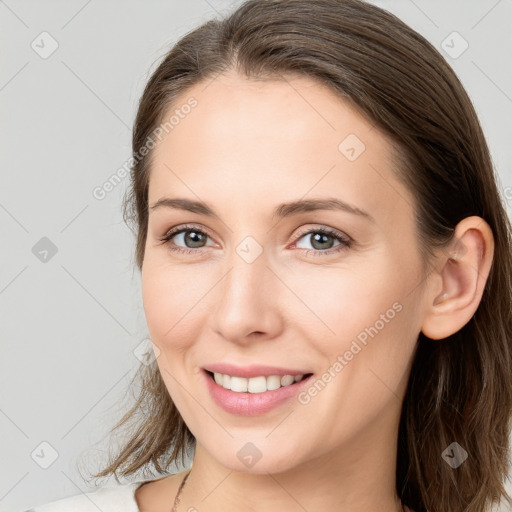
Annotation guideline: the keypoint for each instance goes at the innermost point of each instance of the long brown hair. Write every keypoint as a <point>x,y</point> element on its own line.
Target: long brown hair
<point>460,388</point>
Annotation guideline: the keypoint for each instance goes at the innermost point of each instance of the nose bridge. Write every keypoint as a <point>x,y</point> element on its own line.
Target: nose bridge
<point>245,301</point>
<point>246,282</point>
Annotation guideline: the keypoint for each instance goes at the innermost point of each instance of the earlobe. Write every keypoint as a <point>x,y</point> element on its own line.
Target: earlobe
<point>463,270</point>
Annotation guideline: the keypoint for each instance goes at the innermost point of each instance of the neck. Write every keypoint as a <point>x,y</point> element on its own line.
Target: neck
<point>358,476</point>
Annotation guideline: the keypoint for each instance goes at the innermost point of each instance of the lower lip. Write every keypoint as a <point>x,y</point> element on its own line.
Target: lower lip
<point>251,404</point>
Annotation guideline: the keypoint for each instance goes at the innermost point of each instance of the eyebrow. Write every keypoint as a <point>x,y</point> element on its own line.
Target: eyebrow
<point>283,210</point>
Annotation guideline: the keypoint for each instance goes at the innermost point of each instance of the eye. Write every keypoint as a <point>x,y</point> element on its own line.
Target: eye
<point>321,239</point>
<point>191,239</point>
<point>191,236</point>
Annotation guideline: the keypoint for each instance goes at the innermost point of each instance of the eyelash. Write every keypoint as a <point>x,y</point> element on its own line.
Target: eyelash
<point>345,242</point>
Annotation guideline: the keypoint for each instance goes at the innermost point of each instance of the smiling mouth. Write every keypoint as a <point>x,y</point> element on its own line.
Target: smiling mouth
<point>259,384</point>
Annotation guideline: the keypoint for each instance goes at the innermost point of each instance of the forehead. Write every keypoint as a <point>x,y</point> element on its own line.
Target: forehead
<point>266,139</point>
<point>295,109</point>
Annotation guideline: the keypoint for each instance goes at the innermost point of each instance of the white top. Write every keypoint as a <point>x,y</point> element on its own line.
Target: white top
<point>109,498</point>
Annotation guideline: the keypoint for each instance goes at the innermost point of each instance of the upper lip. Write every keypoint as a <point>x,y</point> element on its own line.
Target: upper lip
<point>255,370</point>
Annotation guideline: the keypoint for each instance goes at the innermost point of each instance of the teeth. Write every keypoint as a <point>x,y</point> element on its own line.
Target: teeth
<point>286,380</point>
<point>255,384</point>
<point>239,384</point>
<point>273,382</point>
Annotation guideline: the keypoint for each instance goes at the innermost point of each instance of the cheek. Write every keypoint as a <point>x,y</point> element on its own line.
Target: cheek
<point>366,360</point>
<point>369,318</point>
<point>340,303</point>
<point>173,297</point>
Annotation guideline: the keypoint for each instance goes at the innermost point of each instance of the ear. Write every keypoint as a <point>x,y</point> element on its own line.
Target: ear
<point>459,279</point>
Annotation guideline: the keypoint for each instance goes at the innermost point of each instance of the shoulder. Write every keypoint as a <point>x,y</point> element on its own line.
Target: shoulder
<point>111,498</point>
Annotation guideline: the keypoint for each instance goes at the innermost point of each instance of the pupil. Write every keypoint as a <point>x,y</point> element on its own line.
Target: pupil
<point>321,238</point>
<point>190,237</point>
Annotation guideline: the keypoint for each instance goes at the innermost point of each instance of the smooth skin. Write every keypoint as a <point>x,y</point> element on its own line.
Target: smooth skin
<point>248,146</point>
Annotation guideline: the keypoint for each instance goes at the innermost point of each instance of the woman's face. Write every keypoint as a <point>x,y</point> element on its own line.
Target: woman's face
<point>253,284</point>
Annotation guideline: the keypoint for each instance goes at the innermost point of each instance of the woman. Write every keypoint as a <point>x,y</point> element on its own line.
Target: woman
<point>326,274</point>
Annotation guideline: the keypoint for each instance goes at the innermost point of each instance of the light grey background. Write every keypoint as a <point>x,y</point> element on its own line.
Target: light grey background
<point>70,324</point>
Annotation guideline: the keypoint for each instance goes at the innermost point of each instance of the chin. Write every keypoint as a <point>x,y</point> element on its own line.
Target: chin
<point>255,457</point>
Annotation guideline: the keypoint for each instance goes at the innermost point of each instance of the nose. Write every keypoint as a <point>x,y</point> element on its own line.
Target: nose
<point>247,302</point>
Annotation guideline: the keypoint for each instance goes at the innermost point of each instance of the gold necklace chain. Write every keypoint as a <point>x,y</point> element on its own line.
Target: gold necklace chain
<point>178,494</point>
